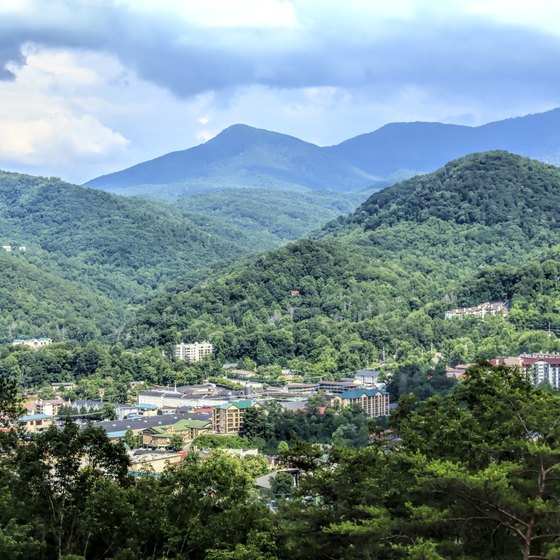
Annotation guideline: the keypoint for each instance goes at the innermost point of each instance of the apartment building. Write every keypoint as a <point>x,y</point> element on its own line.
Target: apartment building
<point>228,418</point>
<point>372,401</point>
<point>34,343</point>
<point>195,352</point>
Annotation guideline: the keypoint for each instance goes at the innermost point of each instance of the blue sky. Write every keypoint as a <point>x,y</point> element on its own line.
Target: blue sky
<point>92,86</point>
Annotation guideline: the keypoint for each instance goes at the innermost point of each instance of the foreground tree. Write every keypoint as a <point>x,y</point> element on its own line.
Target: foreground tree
<point>474,475</point>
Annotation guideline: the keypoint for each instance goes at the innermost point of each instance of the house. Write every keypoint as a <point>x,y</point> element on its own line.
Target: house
<point>34,343</point>
<point>227,418</point>
<point>372,401</point>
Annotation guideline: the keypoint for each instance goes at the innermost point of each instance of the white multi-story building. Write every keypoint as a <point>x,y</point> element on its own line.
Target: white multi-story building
<point>539,368</point>
<point>194,352</point>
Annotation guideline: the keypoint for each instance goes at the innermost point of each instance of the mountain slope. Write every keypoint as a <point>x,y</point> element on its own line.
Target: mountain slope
<point>34,303</point>
<point>485,188</point>
<point>425,146</point>
<point>378,282</point>
<point>240,156</point>
<point>119,246</point>
<point>262,219</point>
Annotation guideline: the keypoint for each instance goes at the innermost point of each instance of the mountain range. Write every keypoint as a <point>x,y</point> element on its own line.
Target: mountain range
<point>246,157</point>
<point>383,276</point>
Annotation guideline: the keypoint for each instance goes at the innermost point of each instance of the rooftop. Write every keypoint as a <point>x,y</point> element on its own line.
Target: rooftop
<point>238,404</point>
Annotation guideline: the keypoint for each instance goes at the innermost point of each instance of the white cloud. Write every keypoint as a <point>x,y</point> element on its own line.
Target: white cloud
<point>542,15</point>
<point>220,13</point>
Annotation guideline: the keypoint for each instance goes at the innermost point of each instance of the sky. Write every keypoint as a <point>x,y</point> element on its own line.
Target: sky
<point>88,87</point>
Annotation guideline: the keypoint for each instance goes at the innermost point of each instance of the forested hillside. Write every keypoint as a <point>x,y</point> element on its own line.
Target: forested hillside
<point>379,282</point>
<point>262,219</point>
<point>34,303</point>
<point>122,247</point>
<point>486,188</point>
<point>240,156</point>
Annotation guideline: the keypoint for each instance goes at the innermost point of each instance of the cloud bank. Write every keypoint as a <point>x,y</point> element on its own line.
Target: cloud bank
<point>87,87</point>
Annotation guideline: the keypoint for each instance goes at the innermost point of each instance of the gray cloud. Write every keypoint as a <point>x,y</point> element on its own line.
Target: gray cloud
<point>470,55</point>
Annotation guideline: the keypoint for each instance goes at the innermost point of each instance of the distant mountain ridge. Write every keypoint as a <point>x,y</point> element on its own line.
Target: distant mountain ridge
<point>246,157</point>
<point>240,156</point>
<point>425,146</point>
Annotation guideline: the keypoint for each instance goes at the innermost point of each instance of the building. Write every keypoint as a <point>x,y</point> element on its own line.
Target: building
<point>337,386</point>
<point>34,423</point>
<point>194,397</point>
<point>488,308</point>
<point>49,407</point>
<point>228,418</point>
<point>159,437</point>
<point>302,388</point>
<point>34,343</point>
<point>153,462</point>
<point>539,368</point>
<point>195,352</point>
<point>372,401</point>
<point>365,377</point>
<point>542,368</point>
<point>116,429</point>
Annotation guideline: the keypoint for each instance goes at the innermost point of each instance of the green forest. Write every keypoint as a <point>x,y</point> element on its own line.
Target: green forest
<point>373,288</point>
<point>460,469</point>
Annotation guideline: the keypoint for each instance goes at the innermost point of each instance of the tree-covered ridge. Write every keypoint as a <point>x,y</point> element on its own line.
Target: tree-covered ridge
<point>263,219</point>
<point>34,303</point>
<point>240,156</point>
<point>360,295</point>
<point>486,188</point>
<point>122,247</point>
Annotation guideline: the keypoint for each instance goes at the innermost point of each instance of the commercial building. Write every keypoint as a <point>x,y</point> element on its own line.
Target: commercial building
<point>194,397</point>
<point>161,436</point>
<point>338,386</point>
<point>228,418</point>
<point>539,368</point>
<point>195,352</point>
<point>372,401</point>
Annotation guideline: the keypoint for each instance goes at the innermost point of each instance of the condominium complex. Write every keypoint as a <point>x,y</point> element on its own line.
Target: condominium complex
<point>372,401</point>
<point>194,352</point>
<point>488,308</point>
<point>228,418</point>
<point>539,368</point>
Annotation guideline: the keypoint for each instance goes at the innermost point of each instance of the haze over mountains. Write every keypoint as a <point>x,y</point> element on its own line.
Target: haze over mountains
<point>242,156</point>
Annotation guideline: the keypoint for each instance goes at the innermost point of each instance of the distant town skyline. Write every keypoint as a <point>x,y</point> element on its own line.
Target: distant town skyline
<point>87,88</point>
